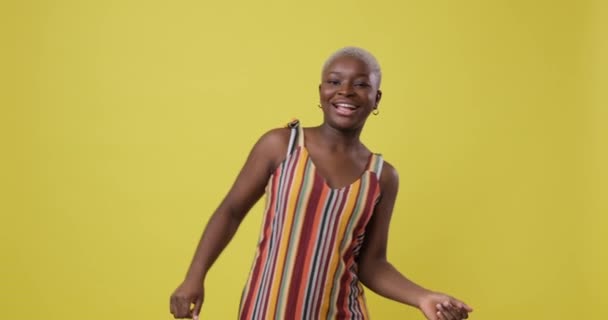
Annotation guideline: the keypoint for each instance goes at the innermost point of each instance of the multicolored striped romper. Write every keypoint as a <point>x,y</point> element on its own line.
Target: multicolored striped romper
<point>305,266</point>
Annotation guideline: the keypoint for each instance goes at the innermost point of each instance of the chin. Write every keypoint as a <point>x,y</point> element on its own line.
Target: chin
<point>345,123</point>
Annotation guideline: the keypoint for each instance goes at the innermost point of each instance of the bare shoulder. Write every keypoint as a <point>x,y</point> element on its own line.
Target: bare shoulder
<point>276,135</point>
<point>389,179</point>
<point>277,138</point>
<point>273,145</point>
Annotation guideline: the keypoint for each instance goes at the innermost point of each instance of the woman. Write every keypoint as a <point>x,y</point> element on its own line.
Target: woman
<point>326,222</point>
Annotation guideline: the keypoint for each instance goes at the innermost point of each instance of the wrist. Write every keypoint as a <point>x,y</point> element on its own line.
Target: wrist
<point>420,297</point>
<point>197,277</point>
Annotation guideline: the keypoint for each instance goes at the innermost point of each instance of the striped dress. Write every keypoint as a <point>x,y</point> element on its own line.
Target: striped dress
<point>305,265</point>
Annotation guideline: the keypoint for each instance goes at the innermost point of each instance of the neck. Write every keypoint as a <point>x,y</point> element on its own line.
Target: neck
<point>338,139</point>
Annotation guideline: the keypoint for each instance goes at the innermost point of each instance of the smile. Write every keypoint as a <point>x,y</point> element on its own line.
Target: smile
<point>345,109</point>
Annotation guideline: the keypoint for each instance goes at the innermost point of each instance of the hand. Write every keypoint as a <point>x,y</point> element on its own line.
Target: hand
<point>439,306</point>
<point>188,293</point>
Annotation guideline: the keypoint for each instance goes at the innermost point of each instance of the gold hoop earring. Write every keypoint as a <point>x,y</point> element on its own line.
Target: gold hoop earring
<point>319,105</point>
<point>375,112</point>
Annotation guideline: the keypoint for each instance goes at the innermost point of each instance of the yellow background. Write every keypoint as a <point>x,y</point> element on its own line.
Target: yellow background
<point>123,124</point>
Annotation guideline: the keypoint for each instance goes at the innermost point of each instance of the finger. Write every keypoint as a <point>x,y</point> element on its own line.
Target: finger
<point>445,312</point>
<point>171,307</point>
<point>182,308</point>
<point>197,308</point>
<point>175,307</point>
<point>439,312</point>
<point>462,305</point>
<point>440,316</point>
<point>462,312</point>
<point>449,309</point>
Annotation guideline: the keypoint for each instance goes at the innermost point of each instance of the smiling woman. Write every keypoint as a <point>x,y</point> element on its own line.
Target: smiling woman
<point>350,86</point>
<point>329,205</point>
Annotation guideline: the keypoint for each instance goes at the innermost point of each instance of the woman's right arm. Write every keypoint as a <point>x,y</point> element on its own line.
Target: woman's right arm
<point>247,189</point>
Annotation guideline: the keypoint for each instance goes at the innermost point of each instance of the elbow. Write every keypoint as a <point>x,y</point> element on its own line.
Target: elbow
<point>369,269</point>
<point>235,213</point>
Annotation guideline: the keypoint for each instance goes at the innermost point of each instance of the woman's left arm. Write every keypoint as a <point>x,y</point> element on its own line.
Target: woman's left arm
<point>376,273</point>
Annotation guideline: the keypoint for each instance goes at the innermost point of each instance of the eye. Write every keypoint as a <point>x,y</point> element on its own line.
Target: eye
<point>362,84</point>
<point>333,82</point>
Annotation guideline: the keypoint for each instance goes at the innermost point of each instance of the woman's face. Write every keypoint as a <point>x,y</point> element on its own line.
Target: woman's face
<point>348,93</point>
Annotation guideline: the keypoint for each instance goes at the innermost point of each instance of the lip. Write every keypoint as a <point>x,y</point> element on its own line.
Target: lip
<point>344,102</point>
<point>344,108</point>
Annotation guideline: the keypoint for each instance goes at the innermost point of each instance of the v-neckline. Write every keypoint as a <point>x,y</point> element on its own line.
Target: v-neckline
<point>324,179</point>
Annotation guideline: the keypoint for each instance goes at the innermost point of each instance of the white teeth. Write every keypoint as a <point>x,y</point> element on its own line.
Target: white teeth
<point>345,105</point>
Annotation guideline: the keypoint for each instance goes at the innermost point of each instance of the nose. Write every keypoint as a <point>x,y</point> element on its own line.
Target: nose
<point>346,89</point>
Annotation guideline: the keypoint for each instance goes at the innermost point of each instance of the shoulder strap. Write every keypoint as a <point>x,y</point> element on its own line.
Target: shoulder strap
<point>297,137</point>
<point>375,165</point>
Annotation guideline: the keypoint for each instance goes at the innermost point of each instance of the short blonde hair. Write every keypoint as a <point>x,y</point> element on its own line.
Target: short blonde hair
<point>360,54</point>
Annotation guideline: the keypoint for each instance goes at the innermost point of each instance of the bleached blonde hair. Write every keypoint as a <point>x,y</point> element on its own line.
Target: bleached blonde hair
<point>360,54</point>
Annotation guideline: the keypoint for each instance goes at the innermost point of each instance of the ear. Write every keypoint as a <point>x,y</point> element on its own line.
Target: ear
<point>378,98</point>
